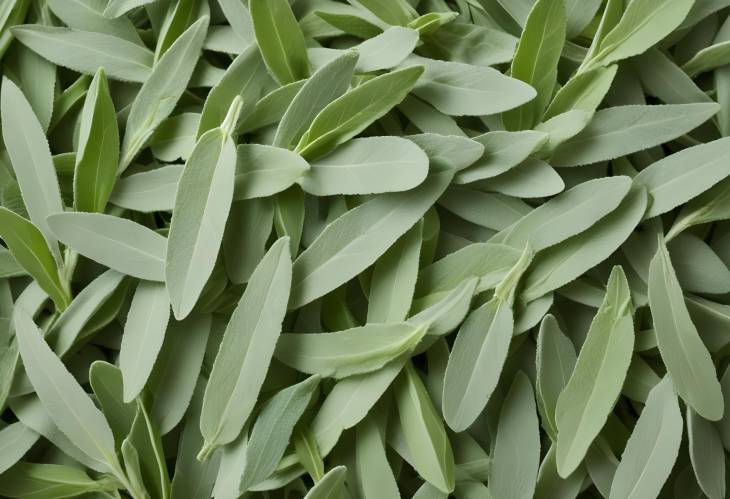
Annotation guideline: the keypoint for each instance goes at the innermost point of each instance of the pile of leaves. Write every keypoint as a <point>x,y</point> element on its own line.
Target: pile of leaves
<point>366,249</point>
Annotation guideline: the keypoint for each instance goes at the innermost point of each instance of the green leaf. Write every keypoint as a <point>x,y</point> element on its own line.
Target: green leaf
<point>145,439</point>
<point>345,353</point>
<point>263,171</point>
<point>350,114</point>
<point>106,381</point>
<point>161,90</point>
<point>459,89</point>
<point>280,40</point>
<point>369,165</point>
<point>202,203</point>
<point>15,440</point>
<point>326,84</point>
<point>555,360</point>
<point>476,362</point>
<point>564,262</point>
<point>424,431</point>
<point>148,191</point>
<point>87,51</point>
<point>687,360</point>
<point>68,405</point>
<point>394,279</point>
<point>566,215</point>
<point>31,158</point>
<point>98,151</point>
<point>246,349</point>
<point>30,249</point>
<point>246,77</point>
<point>707,455</point>
<point>143,335</point>
<point>502,151</point>
<point>642,25</point>
<point>43,481</point>
<point>273,429</point>
<point>175,137</point>
<point>118,243</point>
<point>710,206</point>
<point>583,91</point>
<point>331,485</point>
<point>623,130</point>
<point>588,398</point>
<point>652,449</point>
<point>671,184</point>
<point>117,8</point>
<point>536,61</point>
<point>358,238</point>
<point>514,474</point>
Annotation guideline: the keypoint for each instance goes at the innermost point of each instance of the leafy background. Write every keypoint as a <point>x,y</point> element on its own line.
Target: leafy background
<point>367,249</point>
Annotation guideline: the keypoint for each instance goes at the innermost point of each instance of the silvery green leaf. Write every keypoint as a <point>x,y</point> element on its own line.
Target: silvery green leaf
<point>459,89</point>
<point>707,455</point>
<point>149,191</point>
<point>687,360</point>
<point>161,90</point>
<point>246,349</point>
<point>31,159</point>
<point>15,440</point>
<point>345,353</point>
<point>331,485</point>
<point>424,432</point>
<point>143,335</point>
<point>652,448</point>
<point>623,130</point>
<point>86,51</point>
<point>273,428</point>
<point>587,399</point>
<point>263,171</point>
<point>346,245</point>
<point>118,243</point>
<point>514,474</point>
<point>369,165</point>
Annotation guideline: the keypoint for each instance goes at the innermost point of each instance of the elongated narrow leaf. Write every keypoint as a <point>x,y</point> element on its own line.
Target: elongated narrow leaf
<point>246,349</point>
<point>707,455</point>
<point>30,249</point>
<point>555,360</point>
<point>536,60</point>
<point>161,90</point>
<point>476,362</point>
<point>368,165</point>
<point>346,244</point>
<point>350,114</point>
<point>326,84</point>
<point>280,39</point>
<point>273,429</point>
<point>68,405</point>
<point>354,351</point>
<point>144,332</point>
<point>567,214</point>
<point>15,440</point>
<point>31,159</point>
<point>670,183</point>
<point>98,151</point>
<point>203,200</point>
<point>86,51</point>
<point>652,448</point>
<point>587,400</point>
<point>148,191</point>
<point>516,456</point>
<point>118,243</point>
<point>623,130</point>
<point>687,360</point>
<point>424,431</point>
